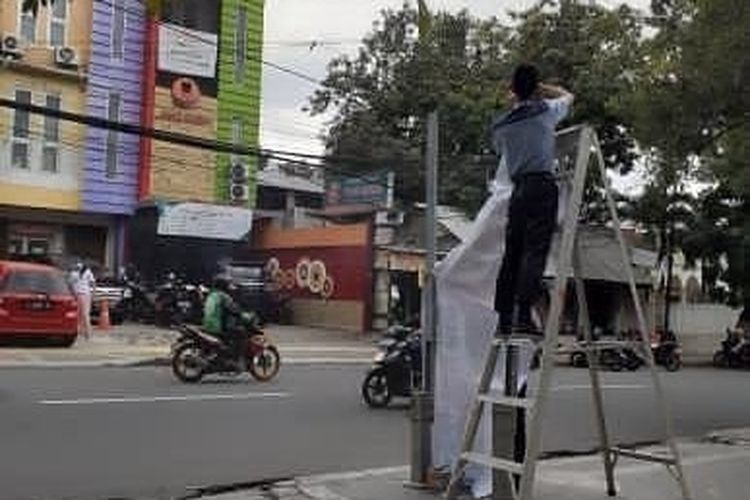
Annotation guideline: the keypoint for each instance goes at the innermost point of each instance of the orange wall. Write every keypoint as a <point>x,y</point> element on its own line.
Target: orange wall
<point>330,236</point>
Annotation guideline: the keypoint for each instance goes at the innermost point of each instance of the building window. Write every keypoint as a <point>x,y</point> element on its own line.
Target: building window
<point>50,151</point>
<point>20,142</point>
<point>57,22</point>
<point>240,44</point>
<point>237,131</point>
<point>113,114</point>
<point>118,30</point>
<point>28,25</point>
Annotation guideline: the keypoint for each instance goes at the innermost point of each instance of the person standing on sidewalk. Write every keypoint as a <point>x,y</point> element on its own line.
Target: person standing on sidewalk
<point>83,282</point>
<point>525,138</point>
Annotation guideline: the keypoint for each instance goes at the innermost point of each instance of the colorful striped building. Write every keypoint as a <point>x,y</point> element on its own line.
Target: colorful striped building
<point>189,66</point>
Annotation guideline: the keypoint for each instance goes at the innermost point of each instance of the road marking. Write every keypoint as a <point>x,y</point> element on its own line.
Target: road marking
<point>165,399</point>
<point>604,386</point>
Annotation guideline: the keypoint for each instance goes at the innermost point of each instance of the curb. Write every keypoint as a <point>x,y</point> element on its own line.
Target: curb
<point>162,362</point>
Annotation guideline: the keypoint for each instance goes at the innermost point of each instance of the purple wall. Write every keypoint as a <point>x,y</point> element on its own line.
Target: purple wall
<point>115,194</point>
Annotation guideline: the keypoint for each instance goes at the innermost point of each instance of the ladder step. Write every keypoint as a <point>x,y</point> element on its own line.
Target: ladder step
<point>648,457</point>
<point>535,341</point>
<point>497,399</point>
<point>493,462</point>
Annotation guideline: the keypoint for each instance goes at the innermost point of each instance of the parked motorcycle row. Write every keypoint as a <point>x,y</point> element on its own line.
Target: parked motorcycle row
<point>734,351</point>
<point>172,301</point>
<point>618,357</point>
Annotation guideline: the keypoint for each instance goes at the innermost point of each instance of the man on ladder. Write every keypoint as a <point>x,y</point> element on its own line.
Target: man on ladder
<point>525,137</point>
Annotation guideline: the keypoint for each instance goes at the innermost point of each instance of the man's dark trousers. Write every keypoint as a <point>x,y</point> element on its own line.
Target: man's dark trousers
<point>532,218</point>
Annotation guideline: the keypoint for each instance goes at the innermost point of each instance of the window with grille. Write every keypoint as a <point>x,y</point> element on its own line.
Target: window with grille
<point>27,29</point>
<point>113,114</point>
<point>57,23</point>
<point>20,141</point>
<point>51,147</point>
<point>240,44</point>
<point>118,30</point>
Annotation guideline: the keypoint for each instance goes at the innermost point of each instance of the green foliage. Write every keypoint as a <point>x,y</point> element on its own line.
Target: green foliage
<point>462,66</point>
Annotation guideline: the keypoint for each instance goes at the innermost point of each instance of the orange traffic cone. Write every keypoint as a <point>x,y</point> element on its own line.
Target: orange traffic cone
<point>104,320</point>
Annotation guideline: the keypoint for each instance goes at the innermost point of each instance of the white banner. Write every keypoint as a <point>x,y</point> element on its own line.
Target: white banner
<point>187,52</point>
<point>199,220</point>
<point>465,282</point>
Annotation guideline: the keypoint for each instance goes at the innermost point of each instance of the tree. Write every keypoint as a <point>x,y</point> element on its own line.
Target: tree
<point>380,99</point>
<point>689,107</point>
<point>462,66</point>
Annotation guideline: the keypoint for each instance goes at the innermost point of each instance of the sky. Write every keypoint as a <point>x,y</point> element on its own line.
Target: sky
<point>291,26</point>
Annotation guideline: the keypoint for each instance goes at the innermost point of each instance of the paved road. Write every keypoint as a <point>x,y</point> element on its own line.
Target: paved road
<point>136,433</point>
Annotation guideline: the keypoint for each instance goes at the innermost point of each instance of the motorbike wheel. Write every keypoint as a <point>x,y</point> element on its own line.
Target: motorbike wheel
<point>672,362</point>
<point>615,363</point>
<point>579,360</point>
<point>720,360</point>
<point>265,364</point>
<point>188,364</point>
<point>375,389</point>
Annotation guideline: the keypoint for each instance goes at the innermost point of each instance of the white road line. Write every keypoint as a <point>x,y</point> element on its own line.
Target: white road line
<point>604,386</point>
<point>165,399</point>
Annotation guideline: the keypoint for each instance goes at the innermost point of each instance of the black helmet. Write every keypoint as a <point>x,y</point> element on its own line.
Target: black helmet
<point>221,282</point>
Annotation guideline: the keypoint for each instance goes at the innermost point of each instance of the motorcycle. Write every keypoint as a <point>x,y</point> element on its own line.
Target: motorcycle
<point>667,354</point>
<point>179,302</point>
<point>396,369</point>
<point>734,351</point>
<point>196,354</point>
<point>614,358</point>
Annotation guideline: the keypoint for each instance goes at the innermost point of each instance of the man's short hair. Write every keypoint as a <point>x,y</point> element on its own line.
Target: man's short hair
<point>525,81</point>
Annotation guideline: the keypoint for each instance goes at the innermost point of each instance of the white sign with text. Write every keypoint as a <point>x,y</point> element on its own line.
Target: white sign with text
<point>200,220</point>
<point>187,52</point>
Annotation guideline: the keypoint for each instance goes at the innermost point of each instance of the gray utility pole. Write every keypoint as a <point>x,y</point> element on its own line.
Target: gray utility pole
<point>423,407</point>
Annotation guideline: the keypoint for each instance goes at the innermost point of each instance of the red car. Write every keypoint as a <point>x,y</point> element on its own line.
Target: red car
<point>36,301</point>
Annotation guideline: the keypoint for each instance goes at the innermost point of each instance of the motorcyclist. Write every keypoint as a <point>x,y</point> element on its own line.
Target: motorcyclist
<point>223,318</point>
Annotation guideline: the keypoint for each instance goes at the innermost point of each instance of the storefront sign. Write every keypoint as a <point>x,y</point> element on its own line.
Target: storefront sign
<point>187,52</point>
<point>371,189</point>
<point>198,220</point>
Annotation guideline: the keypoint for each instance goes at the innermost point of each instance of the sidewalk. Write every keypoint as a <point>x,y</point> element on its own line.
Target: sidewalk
<point>135,344</point>
<point>716,468</point>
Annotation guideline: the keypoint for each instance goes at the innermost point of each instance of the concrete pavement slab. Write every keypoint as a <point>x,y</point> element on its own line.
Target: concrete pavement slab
<point>715,471</point>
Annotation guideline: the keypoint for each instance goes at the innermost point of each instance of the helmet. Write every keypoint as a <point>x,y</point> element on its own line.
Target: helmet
<point>221,282</point>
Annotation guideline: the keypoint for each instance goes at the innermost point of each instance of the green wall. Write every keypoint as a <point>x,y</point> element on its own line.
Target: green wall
<point>239,97</point>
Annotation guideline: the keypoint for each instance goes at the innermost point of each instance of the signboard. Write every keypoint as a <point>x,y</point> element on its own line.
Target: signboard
<point>198,220</point>
<point>367,189</point>
<point>185,51</point>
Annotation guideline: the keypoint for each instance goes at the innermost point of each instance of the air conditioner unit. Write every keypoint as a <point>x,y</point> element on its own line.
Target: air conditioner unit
<point>66,57</point>
<point>10,47</point>
<point>239,192</point>
<point>239,172</point>
<point>238,177</point>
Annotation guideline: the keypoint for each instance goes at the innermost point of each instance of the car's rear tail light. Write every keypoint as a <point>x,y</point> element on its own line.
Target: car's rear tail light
<point>71,314</point>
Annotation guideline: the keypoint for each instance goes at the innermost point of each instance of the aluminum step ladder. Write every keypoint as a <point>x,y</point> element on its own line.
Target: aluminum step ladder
<point>520,475</point>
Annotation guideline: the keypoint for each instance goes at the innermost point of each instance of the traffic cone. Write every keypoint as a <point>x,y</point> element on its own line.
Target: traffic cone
<point>104,320</point>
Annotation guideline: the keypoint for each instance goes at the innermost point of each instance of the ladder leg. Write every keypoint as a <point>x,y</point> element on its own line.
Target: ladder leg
<point>552,326</point>
<point>661,400</point>
<point>475,415</point>
<point>596,388</point>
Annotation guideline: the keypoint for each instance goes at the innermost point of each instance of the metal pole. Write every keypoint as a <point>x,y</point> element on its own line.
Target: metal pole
<point>670,265</point>
<point>423,404</point>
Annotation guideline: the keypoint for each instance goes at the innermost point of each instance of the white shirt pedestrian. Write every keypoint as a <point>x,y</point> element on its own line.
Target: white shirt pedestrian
<point>83,282</point>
